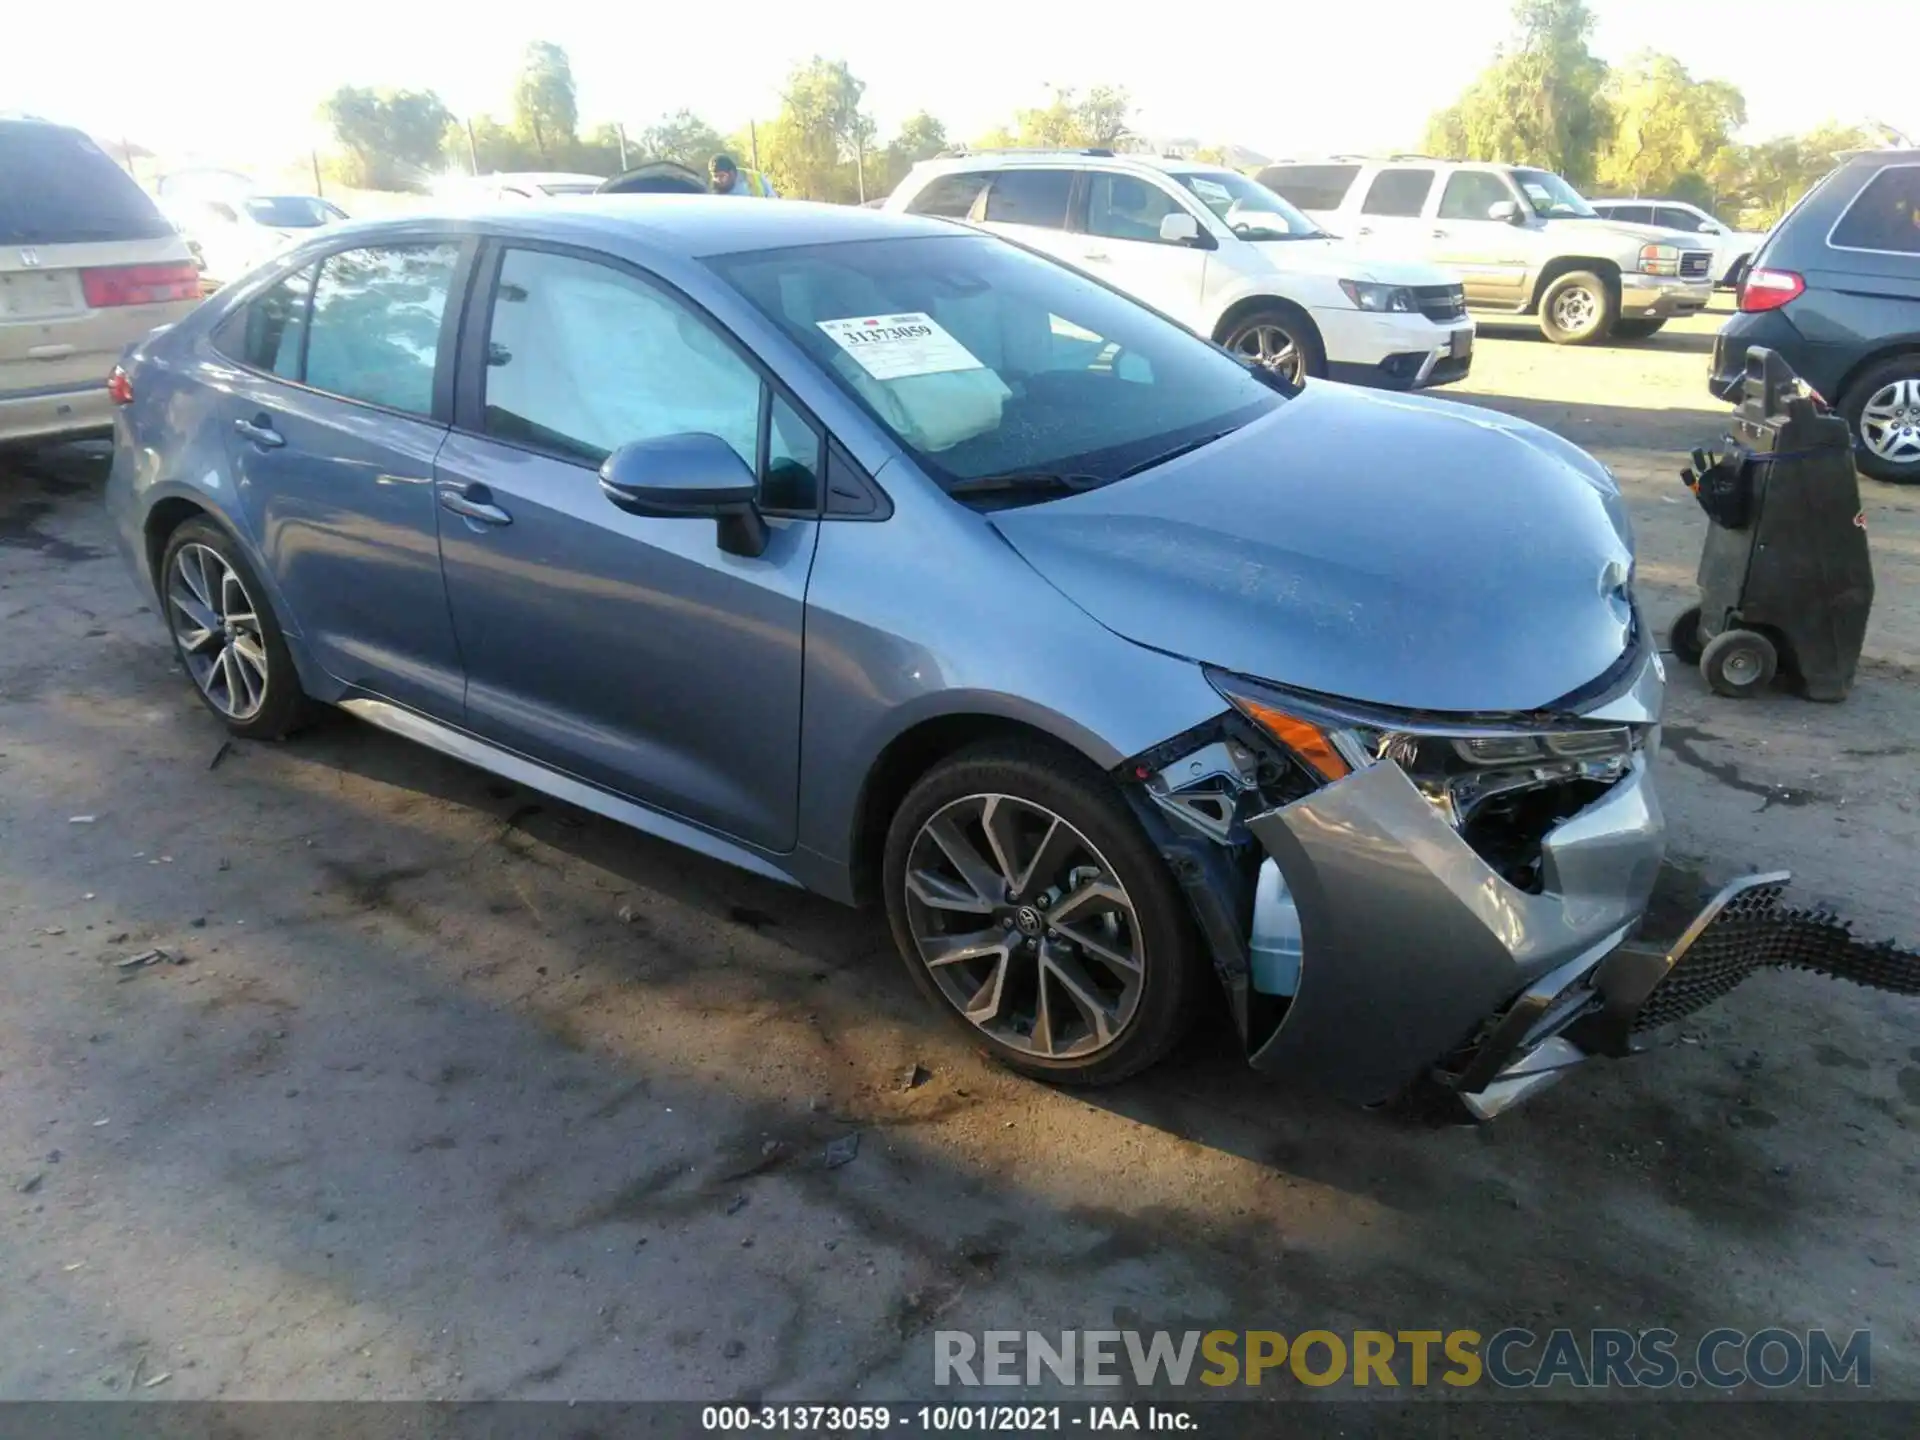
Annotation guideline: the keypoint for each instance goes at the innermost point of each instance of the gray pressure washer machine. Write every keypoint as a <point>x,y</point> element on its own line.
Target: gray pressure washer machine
<point>1785,580</point>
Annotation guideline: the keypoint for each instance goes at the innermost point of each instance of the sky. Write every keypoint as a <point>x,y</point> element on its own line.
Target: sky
<point>241,81</point>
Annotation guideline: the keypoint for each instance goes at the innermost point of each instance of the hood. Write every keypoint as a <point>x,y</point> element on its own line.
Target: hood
<point>1343,260</point>
<point>1627,230</point>
<point>1391,549</point>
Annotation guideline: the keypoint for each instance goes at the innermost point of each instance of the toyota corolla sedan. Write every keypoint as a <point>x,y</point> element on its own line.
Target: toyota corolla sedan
<point>895,561</point>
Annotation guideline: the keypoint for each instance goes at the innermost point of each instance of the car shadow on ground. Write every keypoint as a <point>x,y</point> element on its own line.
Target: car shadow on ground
<point>1526,332</point>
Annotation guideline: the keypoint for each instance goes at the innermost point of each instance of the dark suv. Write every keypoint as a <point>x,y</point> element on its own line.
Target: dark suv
<point>1836,291</point>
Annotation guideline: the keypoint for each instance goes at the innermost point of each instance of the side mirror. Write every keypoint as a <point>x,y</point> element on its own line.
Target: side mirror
<point>1179,228</point>
<point>1707,227</point>
<point>1505,210</point>
<point>689,477</point>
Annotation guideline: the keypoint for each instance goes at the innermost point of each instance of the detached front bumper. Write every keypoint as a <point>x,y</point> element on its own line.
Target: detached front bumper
<point>1660,297</point>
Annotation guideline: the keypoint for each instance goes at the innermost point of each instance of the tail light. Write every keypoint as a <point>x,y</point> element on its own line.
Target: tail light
<point>120,386</point>
<point>106,286</point>
<point>1769,290</point>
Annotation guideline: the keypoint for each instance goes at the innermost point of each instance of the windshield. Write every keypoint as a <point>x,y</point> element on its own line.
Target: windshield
<point>288,212</point>
<point>1247,207</point>
<point>1551,197</point>
<point>984,360</point>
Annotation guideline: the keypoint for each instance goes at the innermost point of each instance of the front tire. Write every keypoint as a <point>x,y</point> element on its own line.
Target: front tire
<point>1578,308</point>
<point>1029,906</point>
<point>226,634</point>
<point>1281,340</point>
<point>1883,409</point>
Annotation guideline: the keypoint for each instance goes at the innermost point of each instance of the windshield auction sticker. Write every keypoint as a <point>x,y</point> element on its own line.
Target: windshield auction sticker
<point>893,347</point>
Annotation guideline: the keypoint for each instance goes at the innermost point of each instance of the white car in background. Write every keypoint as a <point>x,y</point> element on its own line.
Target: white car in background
<point>524,185</point>
<point>1733,250</point>
<point>1218,252</point>
<point>232,233</point>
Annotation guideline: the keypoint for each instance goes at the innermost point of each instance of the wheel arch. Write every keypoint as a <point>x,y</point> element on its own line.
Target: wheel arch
<point>1249,305</point>
<point>166,516</point>
<point>1892,350</point>
<point>1607,270</point>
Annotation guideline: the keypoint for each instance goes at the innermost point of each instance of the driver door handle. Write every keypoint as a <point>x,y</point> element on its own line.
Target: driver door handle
<point>260,431</point>
<point>1100,256</point>
<point>1439,234</point>
<point>1364,230</point>
<point>471,502</point>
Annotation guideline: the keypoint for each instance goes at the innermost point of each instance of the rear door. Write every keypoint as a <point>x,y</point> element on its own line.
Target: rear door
<point>1493,257</point>
<point>1031,204</point>
<point>87,263</point>
<point>1390,210</point>
<point>337,397</point>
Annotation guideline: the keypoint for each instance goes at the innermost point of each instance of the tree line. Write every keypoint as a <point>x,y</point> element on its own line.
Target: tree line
<point>1647,127</point>
<point>820,145</point>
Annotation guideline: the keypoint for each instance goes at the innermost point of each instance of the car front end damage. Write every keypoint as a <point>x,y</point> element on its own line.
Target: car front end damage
<point>1399,902</point>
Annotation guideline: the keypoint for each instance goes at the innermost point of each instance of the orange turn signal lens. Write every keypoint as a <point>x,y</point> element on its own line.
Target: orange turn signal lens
<point>1306,740</point>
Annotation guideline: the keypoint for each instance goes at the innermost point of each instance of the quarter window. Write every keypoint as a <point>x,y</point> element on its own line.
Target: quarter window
<point>1030,197</point>
<point>1126,208</point>
<point>1470,194</point>
<point>583,358</point>
<point>375,328</point>
<point>267,332</point>
<point>792,475</point>
<point>1398,192</point>
<point>950,196</point>
<point>1885,215</point>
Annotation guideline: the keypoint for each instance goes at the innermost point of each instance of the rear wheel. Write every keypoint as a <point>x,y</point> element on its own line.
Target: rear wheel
<point>1578,308</point>
<point>1029,906</point>
<point>1281,340</point>
<point>1883,407</point>
<point>1636,329</point>
<point>1683,636</point>
<point>226,634</point>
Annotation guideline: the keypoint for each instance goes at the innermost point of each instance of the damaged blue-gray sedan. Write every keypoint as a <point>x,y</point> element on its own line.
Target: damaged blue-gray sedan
<point>893,561</point>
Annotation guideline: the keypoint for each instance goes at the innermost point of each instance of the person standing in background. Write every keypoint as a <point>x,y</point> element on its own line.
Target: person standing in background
<point>727,178</point>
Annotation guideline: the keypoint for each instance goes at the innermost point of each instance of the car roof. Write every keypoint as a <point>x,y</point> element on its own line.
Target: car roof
<point>1091,158</point>
<point>539,177</point>
<point>688,225</point>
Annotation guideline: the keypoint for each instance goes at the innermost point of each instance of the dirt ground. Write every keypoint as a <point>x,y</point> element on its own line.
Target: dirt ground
<point>462,1093</point>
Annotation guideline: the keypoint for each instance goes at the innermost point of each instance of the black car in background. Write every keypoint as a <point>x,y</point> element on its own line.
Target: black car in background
<point>1836,291</point>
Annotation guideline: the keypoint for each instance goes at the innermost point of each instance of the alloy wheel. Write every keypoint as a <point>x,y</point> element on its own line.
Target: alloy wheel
<point>1274,349</point>
<point>1024,926</point>
<point>1576,310</point>
<point>218,631</point>
<point>1890,421</point>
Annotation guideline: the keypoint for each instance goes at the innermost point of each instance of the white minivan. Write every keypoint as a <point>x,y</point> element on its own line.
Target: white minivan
<point>1218,252</point>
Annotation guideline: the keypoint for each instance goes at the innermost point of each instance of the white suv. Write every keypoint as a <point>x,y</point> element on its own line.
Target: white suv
<point>1217,252</point>
<point>1733,249</point>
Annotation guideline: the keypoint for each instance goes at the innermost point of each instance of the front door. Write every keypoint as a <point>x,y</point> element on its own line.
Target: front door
<point>1492,257</point>
<point>631,652</point>
<point>1121,244</point>
<point>331,427</point>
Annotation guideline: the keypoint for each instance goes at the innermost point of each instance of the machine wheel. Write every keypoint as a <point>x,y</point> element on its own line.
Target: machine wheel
<point>1683,636</point>
<point>1029,905</point>
<point>1578,308</point>
<point>1283,341</point>
<point>1636,329</point>
<point>1739,663</point>
<point>1883,407</point>
<point>226,635</point>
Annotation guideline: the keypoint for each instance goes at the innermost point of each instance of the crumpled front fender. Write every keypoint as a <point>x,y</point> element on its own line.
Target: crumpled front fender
<point>1410,941</point>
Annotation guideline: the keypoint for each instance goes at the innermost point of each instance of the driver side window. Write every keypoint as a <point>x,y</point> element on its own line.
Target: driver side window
<point>1122,207</point>
<point>1470,194</point>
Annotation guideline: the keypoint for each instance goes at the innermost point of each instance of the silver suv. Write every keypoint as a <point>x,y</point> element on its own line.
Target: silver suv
<point>1523,240</point>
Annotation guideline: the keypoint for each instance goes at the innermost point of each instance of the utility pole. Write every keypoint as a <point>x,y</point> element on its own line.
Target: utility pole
<point>473,157</point>
<point>753,143</point>
<point>621,130</point>
<point>318,189</point>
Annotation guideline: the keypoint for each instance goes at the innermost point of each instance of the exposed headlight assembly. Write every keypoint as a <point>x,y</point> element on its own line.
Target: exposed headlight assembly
<point>1366,295</point>
<point>1458,764</point>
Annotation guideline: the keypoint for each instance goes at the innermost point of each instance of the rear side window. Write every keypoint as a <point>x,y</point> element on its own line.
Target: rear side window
<point>268,332</point>
<point>1311,187</point>
<point>1030,197</point>
<point>58,187</point>
<point>1885,215</point>
<point>375,330</point>
<point>949,196</point>
<point>1398,192</point>
<point>1470,194</point>
<point>1628,214</point>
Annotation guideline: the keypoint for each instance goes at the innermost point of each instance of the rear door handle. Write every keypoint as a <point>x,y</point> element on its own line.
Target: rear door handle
<point>260,431</point>
<point>471,502</point>
<point>1099,256</point>
<point>1364,230</point>
<point>1439,234</point>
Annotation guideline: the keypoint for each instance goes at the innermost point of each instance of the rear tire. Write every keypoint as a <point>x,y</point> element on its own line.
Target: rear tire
<point>1013,871</point>
<point>1636,329</point>
<point>1578,308</point>
<point>1882,408</point>
<point>1739,663</point>
<point>1281,340</point>
<point>226,635</point>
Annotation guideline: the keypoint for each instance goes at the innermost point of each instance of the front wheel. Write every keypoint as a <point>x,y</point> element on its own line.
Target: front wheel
<point>226,634</point>
<point>1280,340</point>
<point>1739,663</point>
<point>1029,906</point>
<point>1636,329</point>
<point>1883,407</point>
<point>1578,308</point>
